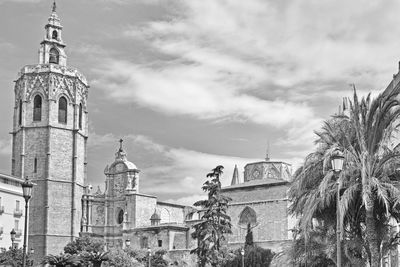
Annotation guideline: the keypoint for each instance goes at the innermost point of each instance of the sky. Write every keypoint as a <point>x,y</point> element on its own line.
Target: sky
<point>190,85</point>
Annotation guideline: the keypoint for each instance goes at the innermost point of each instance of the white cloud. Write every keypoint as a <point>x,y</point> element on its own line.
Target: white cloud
<point>5,147</point>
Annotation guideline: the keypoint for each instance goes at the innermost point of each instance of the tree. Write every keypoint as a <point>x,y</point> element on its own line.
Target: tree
<point>369,197</point>
<point>210,232</point>
<point>119,258</point>
<point>249,236</point>
<point>13,257</point>
<point>96,258</point>
<point>254,256</point>
<point>62,260</point>
<point>86,243</point>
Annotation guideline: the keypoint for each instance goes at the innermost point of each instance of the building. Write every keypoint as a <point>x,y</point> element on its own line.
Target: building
<point>49,142</point>
<point>12,214</point>
<point>122,213</point>
<point>260,202</point>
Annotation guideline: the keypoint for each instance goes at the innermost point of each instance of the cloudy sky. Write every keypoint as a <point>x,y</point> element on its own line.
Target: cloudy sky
<point>193,84</point>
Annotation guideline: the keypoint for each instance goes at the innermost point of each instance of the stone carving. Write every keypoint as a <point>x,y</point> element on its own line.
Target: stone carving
<point>100,215</point>
<point>37,83</point>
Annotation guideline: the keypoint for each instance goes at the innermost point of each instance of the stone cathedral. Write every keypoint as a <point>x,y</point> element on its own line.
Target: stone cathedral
<point>49,146</point>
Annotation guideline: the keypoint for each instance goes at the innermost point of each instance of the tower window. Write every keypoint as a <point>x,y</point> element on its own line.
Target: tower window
<point>159,243</point>
<point>80,116</point>
<point>55,35</point>
<point>20,113</point>
<point>54,56</point>
<point>35,165</point>
<point>37,108</point>
<point>62,110</point>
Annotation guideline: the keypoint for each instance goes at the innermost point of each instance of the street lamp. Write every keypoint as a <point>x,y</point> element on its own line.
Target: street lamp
<point>242,253</point>
<point>27,194</point>
<point>12,234</point>
<point>149,252</point>
<point>337,166</point>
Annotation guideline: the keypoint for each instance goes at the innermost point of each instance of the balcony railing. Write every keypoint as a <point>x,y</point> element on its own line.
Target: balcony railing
<point>17,213</point>
<point>1,209</point>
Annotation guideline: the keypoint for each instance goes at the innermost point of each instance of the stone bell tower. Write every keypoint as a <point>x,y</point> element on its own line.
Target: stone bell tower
<point>49,137</point>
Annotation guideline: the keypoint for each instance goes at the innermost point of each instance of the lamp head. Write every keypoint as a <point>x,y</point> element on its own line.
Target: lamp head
<point>27,189</point>
<point>337,160</point>
<point>128,242</point>
<point>13,233</point>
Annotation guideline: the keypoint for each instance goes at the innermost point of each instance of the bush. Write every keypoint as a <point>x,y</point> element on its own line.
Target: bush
<point>120,258</point>
<point>86,243</point>
<point>254,256</point>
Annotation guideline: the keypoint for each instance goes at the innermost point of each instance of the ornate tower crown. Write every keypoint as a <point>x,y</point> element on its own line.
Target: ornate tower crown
<point>52,47</point>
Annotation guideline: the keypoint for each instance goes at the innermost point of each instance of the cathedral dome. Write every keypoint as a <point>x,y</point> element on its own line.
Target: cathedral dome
<point>155,217</point>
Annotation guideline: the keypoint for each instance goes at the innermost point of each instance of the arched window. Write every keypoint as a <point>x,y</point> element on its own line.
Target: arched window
<point>37,108</point>
<point>80,116</point>
<point>248,216</point>
<point>20,112</point>
<point>54,56</point>
<point>62,110</point>
<point>120,218</point>
<point>55,35</point>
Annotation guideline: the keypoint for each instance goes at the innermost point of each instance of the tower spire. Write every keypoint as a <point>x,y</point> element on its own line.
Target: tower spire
<point>54,6</point>
<point>235,176</point>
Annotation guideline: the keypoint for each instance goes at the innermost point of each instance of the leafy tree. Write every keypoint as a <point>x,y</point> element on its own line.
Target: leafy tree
<point>62,260</point>
<point>13,257</point>
<point>86,243</point>
<point>249,236</point>
<point>369,196</point>
<point>119,258</point>
<point>210,232</point>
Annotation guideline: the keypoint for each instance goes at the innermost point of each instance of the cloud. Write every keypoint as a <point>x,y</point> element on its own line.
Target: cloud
<point>5,147</point>
<point>193,90</point>
<point>20,1</point>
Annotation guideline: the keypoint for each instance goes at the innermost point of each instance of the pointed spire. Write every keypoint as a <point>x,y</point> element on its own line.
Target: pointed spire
<point>267,154</point>
<point>235,176</point>
<point>120,144</point>
<point>54,6</point>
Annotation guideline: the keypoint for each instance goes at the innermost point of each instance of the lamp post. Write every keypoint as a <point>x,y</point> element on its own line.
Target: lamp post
<point>149,251</point>
<point>337,166</point>
<point>27,194</point>
<point>242,253</point>
<point>12,234</point>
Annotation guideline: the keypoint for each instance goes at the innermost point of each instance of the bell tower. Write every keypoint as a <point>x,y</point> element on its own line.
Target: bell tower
<point>49,137</point>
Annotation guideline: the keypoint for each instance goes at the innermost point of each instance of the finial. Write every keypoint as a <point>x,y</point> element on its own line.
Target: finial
<point>267,154</point>
<point>54,6</point>
<point>120,144</point>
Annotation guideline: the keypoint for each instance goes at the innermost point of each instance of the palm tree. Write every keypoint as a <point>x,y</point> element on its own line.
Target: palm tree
<point>96,258</point>
<point>62,260</point>
<point>369,197</point>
